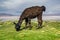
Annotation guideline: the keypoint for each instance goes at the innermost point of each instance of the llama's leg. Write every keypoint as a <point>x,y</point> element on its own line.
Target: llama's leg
<point>26,23</point>
<point>39,22</point>
<point>30,27</point>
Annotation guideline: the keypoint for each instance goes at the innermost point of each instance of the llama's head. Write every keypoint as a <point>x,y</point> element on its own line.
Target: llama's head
<point>43,8</point>
<point>17,26</point>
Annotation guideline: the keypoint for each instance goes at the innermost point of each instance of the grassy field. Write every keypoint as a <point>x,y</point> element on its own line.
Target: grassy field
<point>50,31</point>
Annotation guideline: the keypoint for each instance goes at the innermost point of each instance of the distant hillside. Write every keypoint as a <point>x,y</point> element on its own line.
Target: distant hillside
<point>4,14</point>
<point>51,14</point>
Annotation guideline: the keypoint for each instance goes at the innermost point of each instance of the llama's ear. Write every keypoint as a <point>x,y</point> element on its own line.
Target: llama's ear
<point>14,23</point>
<point>44,8</point>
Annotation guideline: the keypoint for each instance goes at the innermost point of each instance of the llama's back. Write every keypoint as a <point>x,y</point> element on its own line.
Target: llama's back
<point>31,11</point>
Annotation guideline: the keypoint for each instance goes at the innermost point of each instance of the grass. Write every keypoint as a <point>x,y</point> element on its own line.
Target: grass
<point>50,31</point>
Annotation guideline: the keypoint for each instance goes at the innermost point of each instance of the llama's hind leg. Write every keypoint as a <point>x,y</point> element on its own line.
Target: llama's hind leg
<point>39,22</point>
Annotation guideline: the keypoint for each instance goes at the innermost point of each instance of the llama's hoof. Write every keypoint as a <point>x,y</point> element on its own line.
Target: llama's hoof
<point>25,28</point>
<point>19,30</point>
<point>30,28</point>
<point>39,27</point>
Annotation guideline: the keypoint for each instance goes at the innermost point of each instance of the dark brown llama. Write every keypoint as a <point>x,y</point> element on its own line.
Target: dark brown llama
<point>28,14</point>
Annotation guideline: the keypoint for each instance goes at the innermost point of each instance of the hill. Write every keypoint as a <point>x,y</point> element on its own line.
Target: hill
<point>4,14</point>
<point>51,14</point>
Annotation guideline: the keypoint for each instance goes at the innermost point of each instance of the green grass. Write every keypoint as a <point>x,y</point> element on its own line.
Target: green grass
<point>50,31</point>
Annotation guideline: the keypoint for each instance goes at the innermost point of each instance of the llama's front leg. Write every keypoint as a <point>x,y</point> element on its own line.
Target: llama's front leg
<point>26,24</point>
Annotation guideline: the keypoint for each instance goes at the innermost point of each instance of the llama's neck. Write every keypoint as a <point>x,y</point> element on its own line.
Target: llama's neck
<point>20,21</point>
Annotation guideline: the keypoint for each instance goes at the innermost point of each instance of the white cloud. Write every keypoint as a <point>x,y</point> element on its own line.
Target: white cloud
<point>12,4</point>
<point>41,1</point>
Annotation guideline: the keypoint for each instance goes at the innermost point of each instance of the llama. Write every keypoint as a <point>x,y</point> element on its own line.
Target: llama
<point>28,14</point>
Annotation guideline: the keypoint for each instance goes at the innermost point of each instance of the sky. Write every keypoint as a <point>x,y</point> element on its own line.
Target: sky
<point>16,7</point>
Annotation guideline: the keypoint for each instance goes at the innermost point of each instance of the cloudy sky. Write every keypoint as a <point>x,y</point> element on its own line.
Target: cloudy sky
<point>16,7</point>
